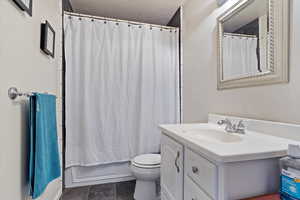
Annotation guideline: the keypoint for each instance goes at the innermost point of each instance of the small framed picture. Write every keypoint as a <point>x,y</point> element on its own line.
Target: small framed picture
<point>25,5</point>
<point>47,39</point>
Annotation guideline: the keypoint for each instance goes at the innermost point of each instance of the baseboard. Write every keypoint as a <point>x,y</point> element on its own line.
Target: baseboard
<point>59,194</point>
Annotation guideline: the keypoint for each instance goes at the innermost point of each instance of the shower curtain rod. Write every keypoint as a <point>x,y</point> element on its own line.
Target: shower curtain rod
<point>119,20</point>
<point>240,35</point>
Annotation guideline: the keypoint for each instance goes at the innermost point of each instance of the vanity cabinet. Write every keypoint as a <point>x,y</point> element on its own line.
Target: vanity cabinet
<point>171,169</point>
<point>188,175</point>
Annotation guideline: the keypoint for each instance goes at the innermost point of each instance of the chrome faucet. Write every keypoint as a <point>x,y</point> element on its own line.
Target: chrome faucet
<point>233,128</point>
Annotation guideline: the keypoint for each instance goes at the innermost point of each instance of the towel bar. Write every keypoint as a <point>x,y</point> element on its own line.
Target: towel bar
<point>13,93</point>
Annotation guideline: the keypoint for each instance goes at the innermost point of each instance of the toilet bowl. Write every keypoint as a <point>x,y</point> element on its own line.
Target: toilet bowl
<point>146,170</point>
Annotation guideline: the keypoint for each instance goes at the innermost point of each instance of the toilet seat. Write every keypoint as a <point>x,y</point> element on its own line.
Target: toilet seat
<point>147,161</point>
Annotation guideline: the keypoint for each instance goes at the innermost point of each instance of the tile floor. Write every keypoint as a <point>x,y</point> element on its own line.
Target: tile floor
<point>115,191</point>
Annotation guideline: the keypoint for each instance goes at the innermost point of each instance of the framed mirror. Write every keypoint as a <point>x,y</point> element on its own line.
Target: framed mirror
<point>253,44</point>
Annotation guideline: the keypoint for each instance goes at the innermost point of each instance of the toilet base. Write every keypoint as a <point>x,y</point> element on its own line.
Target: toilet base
<point>145,190</point>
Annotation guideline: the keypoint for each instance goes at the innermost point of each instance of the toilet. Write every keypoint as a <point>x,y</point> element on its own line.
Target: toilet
<point>146,169</point>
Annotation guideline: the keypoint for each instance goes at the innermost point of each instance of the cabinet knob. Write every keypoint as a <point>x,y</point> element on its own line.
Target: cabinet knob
<point>195,170</point>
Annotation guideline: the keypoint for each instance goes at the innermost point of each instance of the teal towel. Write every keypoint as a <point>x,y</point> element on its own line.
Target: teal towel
<point>44,163</point>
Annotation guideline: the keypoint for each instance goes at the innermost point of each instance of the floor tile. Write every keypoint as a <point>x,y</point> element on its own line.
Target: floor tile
<point>102,192</point>
<point>80,193</point>
<point>125,190</point>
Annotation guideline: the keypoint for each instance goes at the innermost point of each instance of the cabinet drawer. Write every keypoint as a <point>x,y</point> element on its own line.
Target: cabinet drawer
<point>202,172</point>
<point>193,192</point>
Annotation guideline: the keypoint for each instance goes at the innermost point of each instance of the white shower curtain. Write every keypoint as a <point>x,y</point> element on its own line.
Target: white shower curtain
<point>239,56</point>
<point>122,81</point>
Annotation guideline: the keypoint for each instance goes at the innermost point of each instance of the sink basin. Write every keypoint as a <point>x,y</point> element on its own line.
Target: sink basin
<point>212,135</point>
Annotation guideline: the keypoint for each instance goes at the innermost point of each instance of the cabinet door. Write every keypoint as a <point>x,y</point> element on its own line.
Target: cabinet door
<point>171,169</point>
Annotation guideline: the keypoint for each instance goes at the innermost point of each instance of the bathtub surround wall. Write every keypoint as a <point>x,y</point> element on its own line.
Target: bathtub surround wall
<point>24,66</point>
<point>200,95</point>
<point>176,19</point>
<point>67,6</point>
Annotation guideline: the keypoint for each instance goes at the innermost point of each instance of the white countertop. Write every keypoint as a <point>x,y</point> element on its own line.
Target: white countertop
<point>252,146</point>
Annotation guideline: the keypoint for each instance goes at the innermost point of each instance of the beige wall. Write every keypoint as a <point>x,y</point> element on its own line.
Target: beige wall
<point>200,96</point>
<point>23,65</point>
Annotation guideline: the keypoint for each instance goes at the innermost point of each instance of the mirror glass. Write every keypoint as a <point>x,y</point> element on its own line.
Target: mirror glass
<point>245,42</point>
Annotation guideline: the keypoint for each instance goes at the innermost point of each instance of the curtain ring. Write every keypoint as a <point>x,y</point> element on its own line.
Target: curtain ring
<point>105,22</point>
<point>140,26</point>
<point>92,20</point>
<point>70,17</point>
<point>80,18</point>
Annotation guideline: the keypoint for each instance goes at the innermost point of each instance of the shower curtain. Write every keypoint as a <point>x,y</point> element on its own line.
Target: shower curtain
<point>239,56</point>
<point>122,81</point>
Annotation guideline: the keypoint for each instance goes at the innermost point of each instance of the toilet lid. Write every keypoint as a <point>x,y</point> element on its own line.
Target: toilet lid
<point>147,159</point>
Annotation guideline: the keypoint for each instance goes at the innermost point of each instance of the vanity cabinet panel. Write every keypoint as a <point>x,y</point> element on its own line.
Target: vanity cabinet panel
<point>193,192</point>
<point>241,180</point>
<point>171,169</point>
<point>202,172</point>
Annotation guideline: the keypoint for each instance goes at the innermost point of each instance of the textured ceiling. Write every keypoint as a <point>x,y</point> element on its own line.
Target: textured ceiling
<point>148,11</point>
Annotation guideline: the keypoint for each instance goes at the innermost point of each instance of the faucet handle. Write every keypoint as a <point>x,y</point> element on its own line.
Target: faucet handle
<point>221,122</point>
<point>224,121</point>
<point>240,128</point>
<point>241,125</point>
